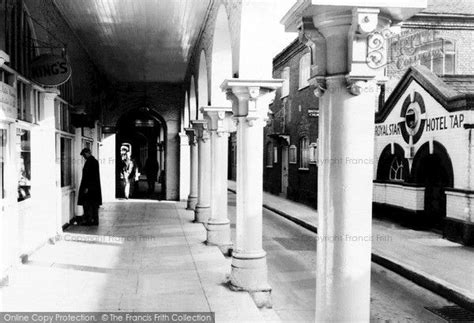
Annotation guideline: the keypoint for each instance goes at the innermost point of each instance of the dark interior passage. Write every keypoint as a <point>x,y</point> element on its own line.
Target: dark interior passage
<point>142,132</point>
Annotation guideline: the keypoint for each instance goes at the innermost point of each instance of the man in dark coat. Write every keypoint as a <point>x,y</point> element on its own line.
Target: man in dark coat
<point>90,195</point>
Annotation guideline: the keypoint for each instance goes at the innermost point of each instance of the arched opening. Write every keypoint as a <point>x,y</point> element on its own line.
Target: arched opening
<point>185,120</point>
<point>221,58</point>
<point>435,172</point>
<point>392,167</point>
<point>203,98</point>
<point>143,132</point>
<point>192,100</point>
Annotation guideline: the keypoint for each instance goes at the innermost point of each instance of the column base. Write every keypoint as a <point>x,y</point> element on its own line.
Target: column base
<point>218,234</point>
<point>192,202</point>
<point>202,214</point>
<point>249,273</point>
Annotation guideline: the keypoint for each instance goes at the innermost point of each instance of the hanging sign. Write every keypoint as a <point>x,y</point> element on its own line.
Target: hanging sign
<point>50,70</point>
<point>7,101</point>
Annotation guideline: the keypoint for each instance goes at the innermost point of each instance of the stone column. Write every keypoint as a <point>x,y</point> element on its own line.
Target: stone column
<point>203,206</point>
<point>193,189</point>
<point>345,83</point>
<point>250,109</point>
<point>184,171</point>
<point>218,226</point>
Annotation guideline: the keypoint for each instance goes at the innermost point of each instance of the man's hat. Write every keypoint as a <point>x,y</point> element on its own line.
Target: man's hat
<point>124,148</point>
<point>85,151</point>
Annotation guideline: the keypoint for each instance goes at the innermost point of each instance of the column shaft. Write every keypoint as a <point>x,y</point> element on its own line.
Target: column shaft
<point>203,207</point>
<point>193,191</point>
<point>345,186</point>
<point>218,227</point>
<point>184,166</point>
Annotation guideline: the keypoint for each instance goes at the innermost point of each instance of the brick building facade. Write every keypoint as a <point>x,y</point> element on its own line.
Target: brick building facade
<point>431,52</point>
<point>292,131</point>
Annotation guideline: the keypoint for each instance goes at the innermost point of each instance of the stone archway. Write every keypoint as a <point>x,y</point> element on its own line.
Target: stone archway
<point>221,58</point>
<point>203,90</point>
<point>192,100</point>
<point>145,131</point>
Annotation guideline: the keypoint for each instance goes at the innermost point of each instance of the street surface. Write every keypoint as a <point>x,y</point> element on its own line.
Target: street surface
<point>291,256</point>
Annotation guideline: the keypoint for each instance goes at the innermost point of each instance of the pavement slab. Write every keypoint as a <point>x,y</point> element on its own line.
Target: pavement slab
<point>144,256</point>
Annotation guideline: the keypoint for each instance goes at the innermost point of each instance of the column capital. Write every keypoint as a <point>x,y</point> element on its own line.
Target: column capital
<point>191,133</point>
<point>312,38</point>
<point>356,85</point>
<point>359,85</point>
<point>201,130</point>
<point>318,84</point>
<point>246,95</point>
<point>219,118</point>
<point>4,58</point>
<point>51,93</point>
<point>348,28</point>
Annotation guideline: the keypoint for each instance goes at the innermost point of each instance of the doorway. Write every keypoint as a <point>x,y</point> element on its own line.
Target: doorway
<point>435,172</point>
<point>143,133</point>
<point>284,170</point>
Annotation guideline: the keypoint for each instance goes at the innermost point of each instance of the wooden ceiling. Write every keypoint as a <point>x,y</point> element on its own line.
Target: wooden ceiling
<point>137,40</point>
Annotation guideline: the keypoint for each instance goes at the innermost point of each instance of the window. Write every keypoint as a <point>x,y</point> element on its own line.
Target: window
<point>66,162</point>
<point>23,102</point>
<point>285,88</point>
<point>305,70</point>
<point>24,163</point>
<point>3,157</point>
<point>396,170</point>
<point>275,155</point>
<point>292,154</point>
<point>63,117</point>
<point>269,159</point>
<point>19,39</point>
<point>36,105</point>
<point>304,152</point>
<point>439,62</point>
<point>313,153</point>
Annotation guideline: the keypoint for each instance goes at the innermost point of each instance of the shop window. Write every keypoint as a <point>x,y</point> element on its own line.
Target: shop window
<point>396,170</point>
<point>304,152</point>
<point>304,70</point>
<point>269,151</point>
<point>292,154</point>
<point>66,162</point>
<point>285,88</point>
<point>313,153</point>
<point>23,144</point>
<point>3,157</point>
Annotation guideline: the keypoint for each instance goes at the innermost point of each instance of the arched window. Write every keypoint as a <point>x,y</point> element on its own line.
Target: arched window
<point>304,152</point>
<point>269,156</point>
<point>396,170</point>
<point>285,88</point>
<point>20,43</point>
<point>304,70</point>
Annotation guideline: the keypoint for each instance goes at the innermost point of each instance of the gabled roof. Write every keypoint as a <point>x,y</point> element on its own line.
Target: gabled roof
<point>452,98</point>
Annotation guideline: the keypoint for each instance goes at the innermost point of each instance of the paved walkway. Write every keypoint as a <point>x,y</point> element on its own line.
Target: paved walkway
<point>144,256</point>
<point>443,266</point>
